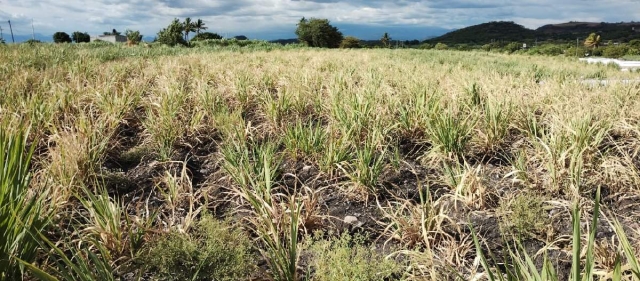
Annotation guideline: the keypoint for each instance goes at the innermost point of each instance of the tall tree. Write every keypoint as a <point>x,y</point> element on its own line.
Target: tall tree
<point>80,37</point>
<point>199,25</point>
<point>133,37</point>
<point>593,41</point>
<point>172,34</point>
<point>61,37</point>
<point>318,33</point>
<point>188,26</point>
<point>386,40</point>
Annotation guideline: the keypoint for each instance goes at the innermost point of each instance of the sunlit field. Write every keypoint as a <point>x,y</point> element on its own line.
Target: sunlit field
<point>286,163</point>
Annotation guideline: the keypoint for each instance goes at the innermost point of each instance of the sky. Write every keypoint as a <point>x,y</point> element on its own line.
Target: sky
<point>275,19</point>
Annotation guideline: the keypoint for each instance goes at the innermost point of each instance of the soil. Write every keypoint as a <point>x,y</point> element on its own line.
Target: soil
<point>133,178</point>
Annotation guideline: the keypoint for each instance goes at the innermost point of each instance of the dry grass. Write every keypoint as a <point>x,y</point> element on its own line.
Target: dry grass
<point>279,139</point>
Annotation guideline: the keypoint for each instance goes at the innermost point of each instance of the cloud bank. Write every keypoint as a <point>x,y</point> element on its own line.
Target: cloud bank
<point>271,19</point>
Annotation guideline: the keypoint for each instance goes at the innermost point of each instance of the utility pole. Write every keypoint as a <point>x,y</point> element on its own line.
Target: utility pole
<point>11,29</point>
<point>1,36</point>
<point>576,47</point>
<point>33,31</point>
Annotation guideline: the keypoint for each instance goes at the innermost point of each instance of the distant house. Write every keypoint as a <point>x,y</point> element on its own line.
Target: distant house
<point>110,38</point>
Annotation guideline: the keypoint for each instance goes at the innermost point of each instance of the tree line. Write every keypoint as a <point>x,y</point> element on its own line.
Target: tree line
<point>313,32</point>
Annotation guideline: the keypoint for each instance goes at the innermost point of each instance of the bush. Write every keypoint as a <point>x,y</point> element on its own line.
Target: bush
<point>214,251</point>
<point>441,46</point>
<point>133,37</point>
<point>548,50</point>
<point>633,52</point>
<point>32,41</point>
<point>426,46</point>
<point>573,51</point>
<point>523,216</point>
<point>512,47</point>
<point>463,47</point>
<point>206,36</point>
<point>350,42</point>
<point>615,51</point>
<point>347,258</point>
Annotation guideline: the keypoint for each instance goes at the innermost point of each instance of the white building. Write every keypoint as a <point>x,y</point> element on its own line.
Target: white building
<point>110,38</point>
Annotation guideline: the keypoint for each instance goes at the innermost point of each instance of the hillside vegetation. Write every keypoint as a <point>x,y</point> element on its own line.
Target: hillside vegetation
<point>486,33</point>
<point>511,32</point>
<point>264,163</point>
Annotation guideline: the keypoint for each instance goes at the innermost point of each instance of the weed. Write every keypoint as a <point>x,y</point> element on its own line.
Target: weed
<point>523,216</point>
<point>348,258</point>
<point>213,250</point>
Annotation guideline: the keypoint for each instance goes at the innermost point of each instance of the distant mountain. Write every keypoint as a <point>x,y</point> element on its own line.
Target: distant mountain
<point>404,32</point>
<point>487,33</point>
<point>511,32</point>
<point>19,38</point>
<point>285,41</point>
<point>623,31</point>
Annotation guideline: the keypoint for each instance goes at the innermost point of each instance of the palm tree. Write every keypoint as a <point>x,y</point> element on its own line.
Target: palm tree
<point>199,25</point>
<point>385,39</point>
<point>592,41</point>
<point>188,26</point>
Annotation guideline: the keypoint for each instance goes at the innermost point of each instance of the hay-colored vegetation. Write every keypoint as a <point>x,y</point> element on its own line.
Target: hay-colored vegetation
<point>132,145</point>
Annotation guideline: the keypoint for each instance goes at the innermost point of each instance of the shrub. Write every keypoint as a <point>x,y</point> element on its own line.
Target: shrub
<point>615,51</point>
<point>635,43</point>
<point>206,36</point>
<point>512,47</point>
<point>32,41</point>
<point>523,216</point>
<point>633,52</point>
<point>133,37</point>
<point>426,46</point>
<point>347,258</point>
<point>441,46</point>
<point>213,251</point>
<point>463,47</point>
<point>350,42</point>
<point>549,50</point>
<point>576,52</point>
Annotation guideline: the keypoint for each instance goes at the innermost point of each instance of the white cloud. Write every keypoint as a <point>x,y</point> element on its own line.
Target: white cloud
<point>257,16</point>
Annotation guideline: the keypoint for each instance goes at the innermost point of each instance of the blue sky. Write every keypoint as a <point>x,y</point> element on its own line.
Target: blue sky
<point>272,19</point>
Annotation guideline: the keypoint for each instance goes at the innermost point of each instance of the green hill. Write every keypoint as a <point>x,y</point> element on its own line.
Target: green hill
<point>624,31</point>
<point>502,31</point>
<point>487,33</point>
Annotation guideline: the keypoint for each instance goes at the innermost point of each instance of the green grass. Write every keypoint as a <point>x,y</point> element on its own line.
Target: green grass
<point>23,214</point>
